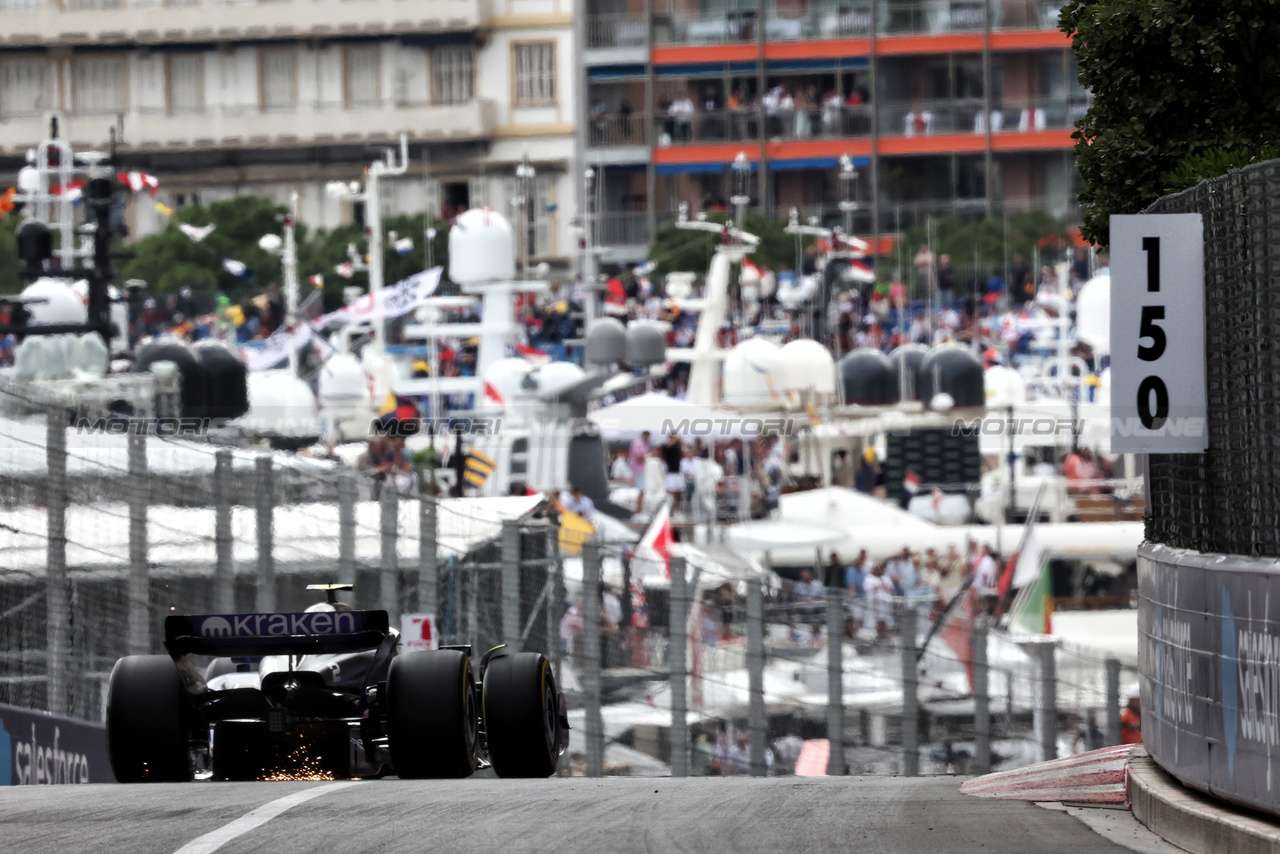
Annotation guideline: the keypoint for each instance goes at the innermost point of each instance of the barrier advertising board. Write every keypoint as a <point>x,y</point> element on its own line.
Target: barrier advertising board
<point>37,748</point>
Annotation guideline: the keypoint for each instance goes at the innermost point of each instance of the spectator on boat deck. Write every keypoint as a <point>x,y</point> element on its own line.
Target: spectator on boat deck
<point>810,595</point>
<point>578,503</point>
<point>879,599</point>
<point>672,455</point>
<point>865,480</point>
<point>1080,468</point>
<point>637,455</point>
<point>985,578</point>
<point>620,471</point>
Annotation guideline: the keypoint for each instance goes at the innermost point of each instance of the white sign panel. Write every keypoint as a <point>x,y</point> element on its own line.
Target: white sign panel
<point>418,631</point>
<point>1157,334</point>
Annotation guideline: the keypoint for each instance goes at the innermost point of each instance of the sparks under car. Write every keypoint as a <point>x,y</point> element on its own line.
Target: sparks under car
<point>325,693</point>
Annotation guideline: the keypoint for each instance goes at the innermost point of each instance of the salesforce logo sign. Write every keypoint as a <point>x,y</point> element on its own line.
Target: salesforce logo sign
<point>312,624</point>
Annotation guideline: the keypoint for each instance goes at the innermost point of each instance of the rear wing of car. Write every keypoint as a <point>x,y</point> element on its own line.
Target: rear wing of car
<point>309,633</point>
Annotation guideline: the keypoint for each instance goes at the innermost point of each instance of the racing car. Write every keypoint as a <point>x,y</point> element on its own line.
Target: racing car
<point>326,693</point>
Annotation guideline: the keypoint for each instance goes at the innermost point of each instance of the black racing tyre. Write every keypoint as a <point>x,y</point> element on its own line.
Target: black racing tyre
<point>432,720</point>
<point>147,721</point>
<point>521,715</point>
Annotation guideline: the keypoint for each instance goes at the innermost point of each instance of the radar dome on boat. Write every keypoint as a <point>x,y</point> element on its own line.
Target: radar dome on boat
<point>606,342</point>
<point>281,405</point>
<point>1093,314</point>
<point>1004,387</point>
<point>58,303</point>
<point>955,370</point>
<point>905,362</point>
<point>506,378</point>
<point>554,377</point>
<point>646,343</point>
<point>482,248</point>
<point>868,379</point>
<point>807,366</point>
<point>751,374</point>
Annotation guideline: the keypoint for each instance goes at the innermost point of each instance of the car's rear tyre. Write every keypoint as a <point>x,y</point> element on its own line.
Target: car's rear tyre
<point>432,720</point>
<point>521,715</point>
<point>147,721</point>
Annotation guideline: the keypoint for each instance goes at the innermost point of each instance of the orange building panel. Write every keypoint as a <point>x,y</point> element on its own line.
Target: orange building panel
<point>697,54</point>
<point>1043,140</point>
<point>826,49</point>
<point>945,43</point>
<point>950,143</point>
<point>1030,40</point>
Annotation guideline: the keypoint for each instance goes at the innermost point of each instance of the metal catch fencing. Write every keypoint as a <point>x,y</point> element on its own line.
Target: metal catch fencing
<point>1222,501</point>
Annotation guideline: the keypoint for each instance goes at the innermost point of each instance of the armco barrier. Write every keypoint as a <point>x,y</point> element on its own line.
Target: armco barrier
<point>39,748</point>
<point>1209,652</point>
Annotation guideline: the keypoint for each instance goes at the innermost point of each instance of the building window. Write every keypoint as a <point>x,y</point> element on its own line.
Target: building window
<point>362,73</point>
<point>24,88</point>
<point>279,89</point>
<point>101,85</point>
<point>453,74</point>
<point>186,83</point>
<point>535,74</point>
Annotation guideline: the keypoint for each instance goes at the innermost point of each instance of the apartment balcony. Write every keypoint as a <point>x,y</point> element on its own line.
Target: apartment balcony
<point>81,22</point>
<point>906,119</point>
<point>256,129</point>
<point>616,39</point>
<point>623,238</point>
<point>677,22</point>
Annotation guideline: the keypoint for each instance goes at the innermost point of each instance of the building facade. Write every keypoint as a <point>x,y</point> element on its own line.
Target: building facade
<point>224,97</point>
<point>944,107</point>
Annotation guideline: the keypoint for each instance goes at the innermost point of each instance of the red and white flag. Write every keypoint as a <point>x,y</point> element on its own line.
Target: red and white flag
<point>139,181</point>
<point>532,354</point>
<point>317,281</point>
<point>660,537</point>
<point>911,482</point>
<point>345,270</point>
<point>492,393</point>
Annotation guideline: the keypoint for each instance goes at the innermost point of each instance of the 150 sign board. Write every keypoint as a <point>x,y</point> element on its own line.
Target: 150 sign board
<point>1157,334</point>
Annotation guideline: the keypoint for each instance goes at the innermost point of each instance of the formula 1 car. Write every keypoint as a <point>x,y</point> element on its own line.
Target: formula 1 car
<point>323,694</point>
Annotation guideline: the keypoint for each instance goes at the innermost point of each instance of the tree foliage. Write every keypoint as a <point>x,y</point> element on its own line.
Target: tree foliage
<point>675,249</point>
<point>988,243</point>
<point>1171,79</point>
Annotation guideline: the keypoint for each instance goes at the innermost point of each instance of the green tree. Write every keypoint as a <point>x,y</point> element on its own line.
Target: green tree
<point>9,282</point>
<point>1171,80</point>
<point>676,249</point>
<point>169,260</point>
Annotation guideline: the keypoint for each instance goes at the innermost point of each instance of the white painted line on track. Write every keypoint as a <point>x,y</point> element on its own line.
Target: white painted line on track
<point>215,839</point>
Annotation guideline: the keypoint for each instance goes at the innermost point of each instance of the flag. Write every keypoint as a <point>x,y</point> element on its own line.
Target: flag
<point>574,531</point>
<point>430,234</point>
<point>957,630</point>
<point>403,246</point>
<point>317,281</point>
<point>911,482</point>
<point>660,537</point>
<point>1034,611</point>
<point>533,354</point>
<point>346,270</point>
<point>237,268</point>
<point>164,209</point>
<point>492,393</point>
<point>139,181</point>
<point>72,192</point>
<point>6,201</point>
<point>197,234</point>
<point>478,468</point>
<point>401,298</point>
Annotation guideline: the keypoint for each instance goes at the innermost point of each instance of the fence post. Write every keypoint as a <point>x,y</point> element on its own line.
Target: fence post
<point>1046,706</point>
<point>755,677</point>
<point>264,499</point>
<point>981,698</point>
<point>347,492</point>
<point>389,564</point>
<point>428,568</point>
<point>58,625</point>
<point>555,601</point>
<point>835,680</point>
<point>591,655</point>
<point>511,583</point>
<point>910,690</point>
<point>139,576</point>
<point>1113,701</point>
<point>677,622</point>
<point>224,568</point>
